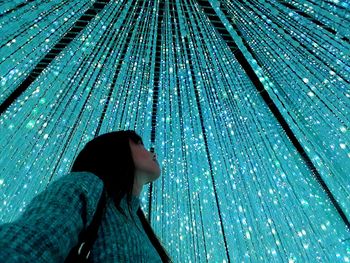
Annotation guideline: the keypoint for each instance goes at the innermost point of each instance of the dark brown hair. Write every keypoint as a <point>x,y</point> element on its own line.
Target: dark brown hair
<point>109,157</point>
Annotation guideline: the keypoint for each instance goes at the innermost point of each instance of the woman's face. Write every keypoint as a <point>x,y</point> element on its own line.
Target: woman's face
<point>146,166</point>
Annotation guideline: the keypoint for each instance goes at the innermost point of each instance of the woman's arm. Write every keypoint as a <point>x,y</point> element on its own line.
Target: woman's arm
<point>51,223</point>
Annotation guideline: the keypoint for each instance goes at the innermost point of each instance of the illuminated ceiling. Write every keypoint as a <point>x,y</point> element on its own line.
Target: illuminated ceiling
<point>246,104</point>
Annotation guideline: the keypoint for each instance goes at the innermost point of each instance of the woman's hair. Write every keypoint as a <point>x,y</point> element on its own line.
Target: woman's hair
<point>109,157</point>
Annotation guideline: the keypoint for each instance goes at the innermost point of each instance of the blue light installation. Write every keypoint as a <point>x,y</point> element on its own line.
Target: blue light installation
<point>233,186</point>
<point>315,85</point>
<point>37,27</point>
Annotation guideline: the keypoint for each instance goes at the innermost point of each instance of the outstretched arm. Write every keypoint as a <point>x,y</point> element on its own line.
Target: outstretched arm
<point>49,227</point>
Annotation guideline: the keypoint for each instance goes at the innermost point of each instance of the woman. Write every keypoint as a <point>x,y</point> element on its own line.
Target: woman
<point>50,226</point>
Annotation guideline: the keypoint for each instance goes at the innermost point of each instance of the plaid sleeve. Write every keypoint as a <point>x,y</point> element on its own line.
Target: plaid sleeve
<point>52,221</point>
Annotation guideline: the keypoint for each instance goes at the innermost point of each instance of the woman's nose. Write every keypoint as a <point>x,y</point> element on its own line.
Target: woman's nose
<point>153,154</point>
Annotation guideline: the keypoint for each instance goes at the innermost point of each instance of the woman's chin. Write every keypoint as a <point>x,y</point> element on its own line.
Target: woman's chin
<point>157,173</point>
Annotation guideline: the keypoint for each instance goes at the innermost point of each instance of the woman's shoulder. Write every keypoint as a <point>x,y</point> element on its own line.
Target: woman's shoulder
<point>87,181</point>
<point>81,176</point>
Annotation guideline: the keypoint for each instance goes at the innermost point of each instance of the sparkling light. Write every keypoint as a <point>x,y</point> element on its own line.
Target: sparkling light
<point>232,184</point>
